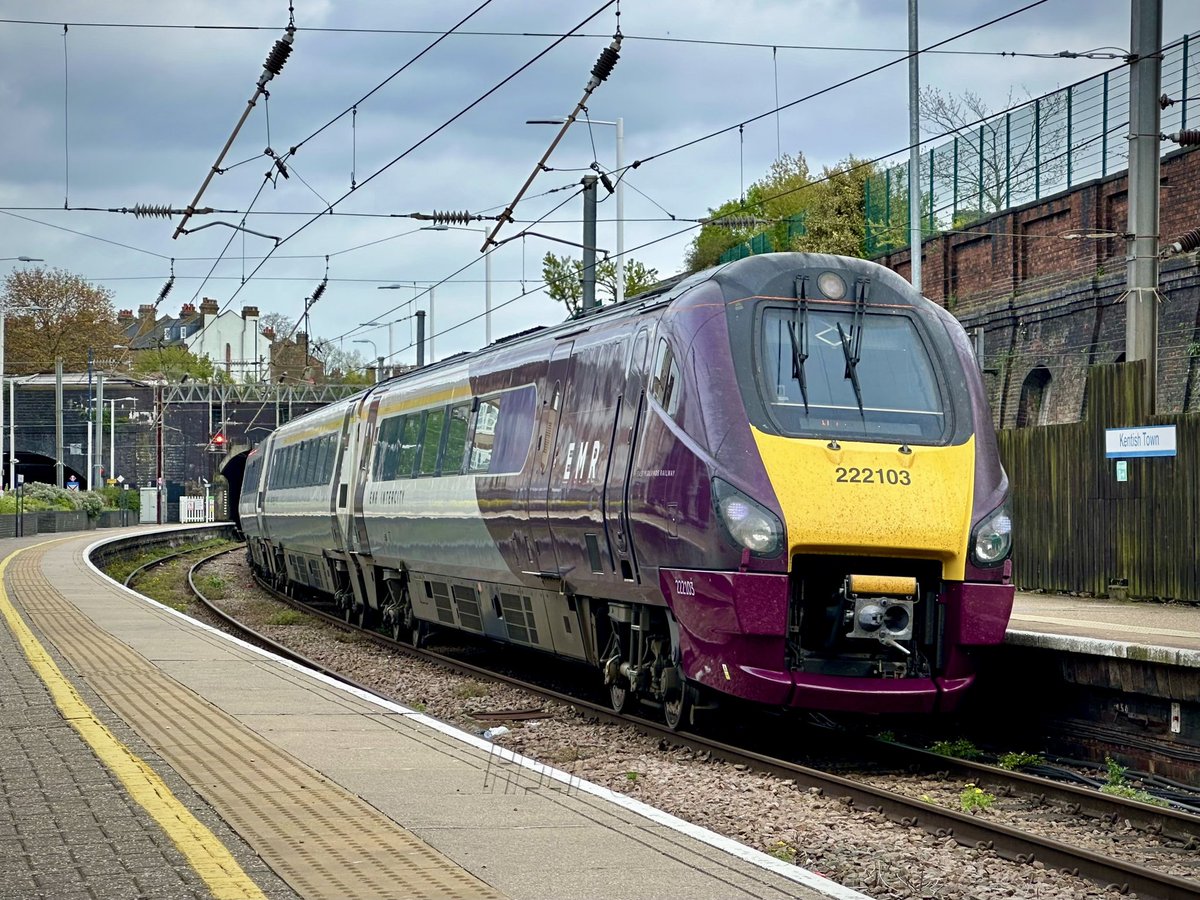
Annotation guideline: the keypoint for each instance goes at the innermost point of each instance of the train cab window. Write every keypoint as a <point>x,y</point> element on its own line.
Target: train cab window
<point>456,439</point>
<point>410,443</point>
<point>665,383</point>
<point>810,386</point>
<point>431,443</point>
<point>486,418</point>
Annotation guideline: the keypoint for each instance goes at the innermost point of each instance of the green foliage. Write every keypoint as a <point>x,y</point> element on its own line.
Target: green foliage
<point>173,363</point>
<point>1193,348</point>
<point>469,689</point>
<point>831,206</point>
<point>632,776</point>
<point>888,737</point>
<point>116,497</point>
<point>1018,760</point>
<point>974,798</point>
<point>564,279</point>
<point>287,617</point>
<point>1117,784</point>
<point>959,748</point>
<point>782,850</point>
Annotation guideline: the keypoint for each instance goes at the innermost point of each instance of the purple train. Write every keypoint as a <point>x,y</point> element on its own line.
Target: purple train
<point>776,479</point>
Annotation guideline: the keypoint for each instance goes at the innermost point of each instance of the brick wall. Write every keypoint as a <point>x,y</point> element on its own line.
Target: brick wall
<point>1050,303</point>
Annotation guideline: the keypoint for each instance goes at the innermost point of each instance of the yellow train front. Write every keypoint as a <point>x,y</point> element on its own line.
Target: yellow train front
<point>861,503</point>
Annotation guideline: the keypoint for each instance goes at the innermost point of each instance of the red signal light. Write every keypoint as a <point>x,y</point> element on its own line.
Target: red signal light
<point>218,439</point>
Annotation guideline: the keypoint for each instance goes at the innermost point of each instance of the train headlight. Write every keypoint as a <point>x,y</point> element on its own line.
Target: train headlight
<point>991,542</point>
<point>750,524</point>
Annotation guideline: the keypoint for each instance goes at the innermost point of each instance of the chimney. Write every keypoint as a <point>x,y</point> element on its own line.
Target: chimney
<point>249,312</point>
<point>146,312</point>
<point>125,317</point>
<point>209,307</point>
<point>269,333</point>
<point>188,309</point>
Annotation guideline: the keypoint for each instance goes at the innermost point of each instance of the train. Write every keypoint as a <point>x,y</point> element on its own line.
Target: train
<point>775,480</point>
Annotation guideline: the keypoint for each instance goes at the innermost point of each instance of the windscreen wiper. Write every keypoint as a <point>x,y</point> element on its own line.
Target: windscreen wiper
<point>852,342</point>
<point>799,356</point>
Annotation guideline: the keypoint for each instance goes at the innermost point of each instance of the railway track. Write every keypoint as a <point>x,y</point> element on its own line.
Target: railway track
<point>1007,841</point>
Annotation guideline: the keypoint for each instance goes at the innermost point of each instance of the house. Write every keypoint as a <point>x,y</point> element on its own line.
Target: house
<point>232,341</point>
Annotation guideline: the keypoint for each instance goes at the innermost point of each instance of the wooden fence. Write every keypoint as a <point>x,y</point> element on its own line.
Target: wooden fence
<point>1077,528</point>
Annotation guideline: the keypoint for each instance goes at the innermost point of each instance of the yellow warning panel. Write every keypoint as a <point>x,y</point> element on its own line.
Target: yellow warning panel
<point>896,585</point>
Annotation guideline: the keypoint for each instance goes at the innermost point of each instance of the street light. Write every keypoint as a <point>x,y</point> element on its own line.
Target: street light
<point>487,277</point>
<point>378,358</point>
<point>414,286</point>
<point>12,465</point>
<point>619,125</point>
<point>391,342</point>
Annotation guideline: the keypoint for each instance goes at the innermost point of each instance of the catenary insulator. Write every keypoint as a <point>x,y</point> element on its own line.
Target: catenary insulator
<point>279,53</point>
<point>1189,137</point>
<point>736,222</point>
<point>153,211</point>
<point>608,58</point>
<point>319,291</point>
<point>166,289</point>
<point>451,217</point>
<point>1183,244</point>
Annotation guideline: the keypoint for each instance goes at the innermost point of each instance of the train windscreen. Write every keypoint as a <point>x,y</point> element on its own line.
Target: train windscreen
<point>831,372</point>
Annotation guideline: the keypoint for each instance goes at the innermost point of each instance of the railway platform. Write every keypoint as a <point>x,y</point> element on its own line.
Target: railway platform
<point>145,755</point>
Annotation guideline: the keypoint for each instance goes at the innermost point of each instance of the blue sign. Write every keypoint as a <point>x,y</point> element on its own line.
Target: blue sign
<point>1150,440</point>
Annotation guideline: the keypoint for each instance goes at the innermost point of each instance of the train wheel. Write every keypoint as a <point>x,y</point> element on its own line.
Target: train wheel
<point>677,711</point>
<point>418,634</point>
<point>619,695</point>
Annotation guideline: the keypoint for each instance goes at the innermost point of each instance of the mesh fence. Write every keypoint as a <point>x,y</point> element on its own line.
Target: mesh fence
<point>1045,146</point>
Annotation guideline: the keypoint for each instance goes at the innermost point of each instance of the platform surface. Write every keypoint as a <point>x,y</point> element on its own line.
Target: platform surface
<point>1132,629</point>
<point>309,786</point>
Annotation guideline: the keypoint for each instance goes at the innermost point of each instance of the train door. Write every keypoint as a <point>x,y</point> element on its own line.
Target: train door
<point>620,460</point>
<point>340,500</point>
<point>539,490</point>
<point>357,539</point>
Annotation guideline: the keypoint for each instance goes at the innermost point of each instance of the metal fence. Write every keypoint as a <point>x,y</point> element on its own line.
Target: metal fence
<point>782,233</point>
<point>1044,146</point>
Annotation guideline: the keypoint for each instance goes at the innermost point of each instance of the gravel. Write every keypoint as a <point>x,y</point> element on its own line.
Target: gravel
<point>857,848</point>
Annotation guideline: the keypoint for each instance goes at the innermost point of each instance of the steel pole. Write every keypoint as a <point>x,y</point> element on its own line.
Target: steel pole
<point>914,151</point>
<point>112,438</point>
<point>58,421</point>
<point>589,243</point>
<point>420,338</point>
<point>12,434</point>
<point>1145,82</point>
<point>620,292</point>
<point>99,427</point>
<point>487,296</point>
<point>432,357</point>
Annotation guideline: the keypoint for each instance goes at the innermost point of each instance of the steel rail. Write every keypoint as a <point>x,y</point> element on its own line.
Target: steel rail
<point>1007,841</point>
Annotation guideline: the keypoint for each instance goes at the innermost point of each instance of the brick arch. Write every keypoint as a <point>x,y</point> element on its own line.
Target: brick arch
<point>1035,392</point>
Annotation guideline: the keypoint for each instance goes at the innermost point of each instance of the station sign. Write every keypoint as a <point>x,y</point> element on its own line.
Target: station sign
<point>1130,443</point>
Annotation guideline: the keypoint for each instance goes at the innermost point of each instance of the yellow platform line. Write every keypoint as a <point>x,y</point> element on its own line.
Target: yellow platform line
<point>207,855</point>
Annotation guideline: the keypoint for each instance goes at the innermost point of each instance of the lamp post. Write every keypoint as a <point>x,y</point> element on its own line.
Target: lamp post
<point>487,277</point>
<point>378,358</point>
<point>12,466</point>
<point>391,342</point>
<point>414,286</point>
<point>619,125</point>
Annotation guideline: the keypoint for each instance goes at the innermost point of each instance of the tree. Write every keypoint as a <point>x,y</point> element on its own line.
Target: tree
<point>281,324</point>
<point>564,279</point>
<point>834,222</point>
<point>52,313</point>
<point>172,362</point>
<point>1006,150</point>
<point>342,366</point>
<point>781,194</point>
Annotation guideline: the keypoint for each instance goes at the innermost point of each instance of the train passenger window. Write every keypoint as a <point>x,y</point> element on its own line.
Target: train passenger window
<point>665,384</point>
<point>410,440</point>
<point>486,418</point>
<point>387,448</point>
<point>456,439</point>
<point>435,419</point>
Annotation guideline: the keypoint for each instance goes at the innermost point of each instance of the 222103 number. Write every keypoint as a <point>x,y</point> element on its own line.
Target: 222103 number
<point>855,475</point>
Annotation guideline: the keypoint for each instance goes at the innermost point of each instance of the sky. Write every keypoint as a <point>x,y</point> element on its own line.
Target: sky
<point>109,115</point>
